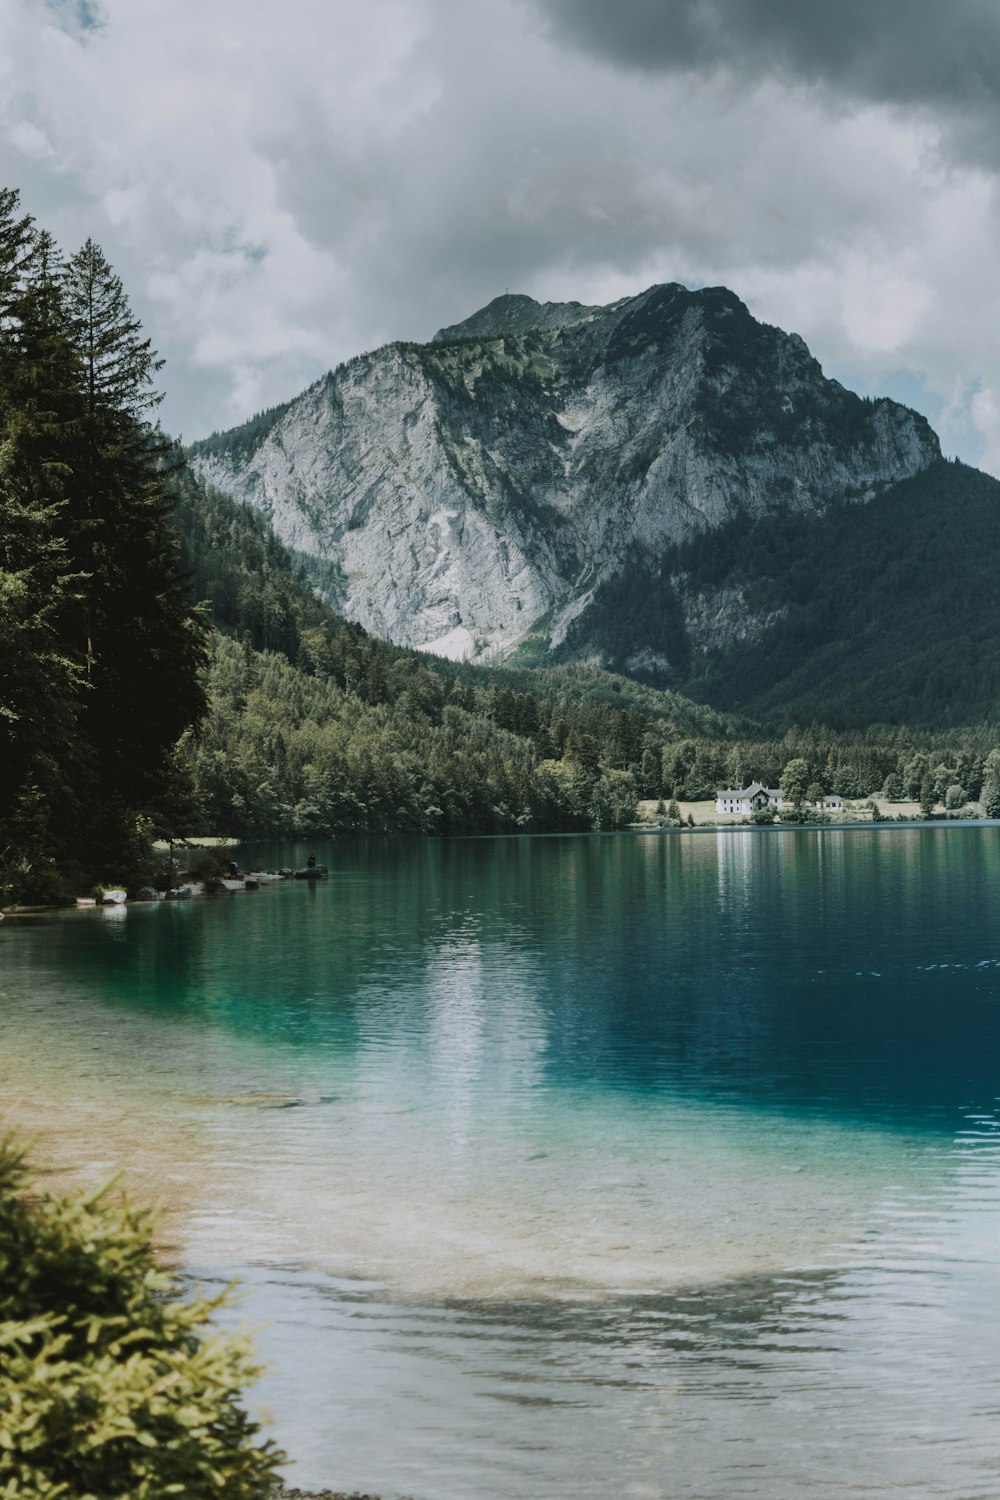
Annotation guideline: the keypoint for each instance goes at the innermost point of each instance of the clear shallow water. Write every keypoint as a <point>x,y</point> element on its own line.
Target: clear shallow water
<point>653,1166</point>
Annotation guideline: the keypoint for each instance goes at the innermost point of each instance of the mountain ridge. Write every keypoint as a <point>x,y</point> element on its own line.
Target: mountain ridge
<point>513,313</point>
<point>475,491</point>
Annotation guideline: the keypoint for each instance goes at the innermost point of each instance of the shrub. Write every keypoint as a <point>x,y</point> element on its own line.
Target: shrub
<point>112,1387</point>
<point>209,867</point>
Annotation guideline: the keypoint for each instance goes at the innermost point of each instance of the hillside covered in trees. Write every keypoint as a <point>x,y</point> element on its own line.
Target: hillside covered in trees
<point>884,611</point>
<point>315,727</point>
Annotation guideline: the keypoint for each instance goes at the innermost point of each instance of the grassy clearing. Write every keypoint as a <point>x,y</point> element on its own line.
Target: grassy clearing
<point>856,811</point>
<point>210,841</point>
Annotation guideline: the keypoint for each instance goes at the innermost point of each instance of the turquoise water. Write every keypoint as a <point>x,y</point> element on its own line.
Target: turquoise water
<point>654,1166</point>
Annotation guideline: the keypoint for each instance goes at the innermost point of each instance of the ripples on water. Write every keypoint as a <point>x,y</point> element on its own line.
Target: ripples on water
<point>651,1166</point>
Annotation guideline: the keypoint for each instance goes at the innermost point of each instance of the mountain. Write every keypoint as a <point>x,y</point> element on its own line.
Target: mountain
<point>886,612</point>
<point>475,495</point>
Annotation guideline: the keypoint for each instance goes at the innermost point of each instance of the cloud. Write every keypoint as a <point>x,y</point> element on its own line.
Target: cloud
<point>903,51</point>
<point>283,187</point>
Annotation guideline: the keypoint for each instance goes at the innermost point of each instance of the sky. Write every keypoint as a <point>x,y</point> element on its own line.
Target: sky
<point>282,186</point>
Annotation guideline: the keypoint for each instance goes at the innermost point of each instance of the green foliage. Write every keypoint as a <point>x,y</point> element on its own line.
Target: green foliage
<point>100,651</point>
<point>795,781</point>
<point>884,612</point>
<point>112,1386</point>
<point>991,785</point>
<point>240,443</point>
<point>286,751</point>
<point>927,795</point>
<point>635,612</point>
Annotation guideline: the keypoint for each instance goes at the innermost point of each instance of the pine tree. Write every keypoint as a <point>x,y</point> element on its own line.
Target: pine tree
<point>17,239</point>
<point>100,650</point>
<point>44,770</point>
<point>144,646</point>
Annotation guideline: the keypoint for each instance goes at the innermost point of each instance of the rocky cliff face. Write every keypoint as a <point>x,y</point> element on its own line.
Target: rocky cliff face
<point>475,490</point>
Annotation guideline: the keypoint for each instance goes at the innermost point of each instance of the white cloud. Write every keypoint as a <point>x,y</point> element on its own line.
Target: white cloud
<point>985,411</point>
<point>282,187</point>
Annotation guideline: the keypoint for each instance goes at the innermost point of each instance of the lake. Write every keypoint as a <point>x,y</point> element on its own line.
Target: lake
<point>660,1165</point>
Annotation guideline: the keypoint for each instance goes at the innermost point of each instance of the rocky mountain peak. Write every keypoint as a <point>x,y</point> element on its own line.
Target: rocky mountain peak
<point>515,313</point>
<point>474,492</point>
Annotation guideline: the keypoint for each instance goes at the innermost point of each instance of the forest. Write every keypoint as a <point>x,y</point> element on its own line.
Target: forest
<point>102,653</point>
<point>170,669</point>
<point>885,610</point>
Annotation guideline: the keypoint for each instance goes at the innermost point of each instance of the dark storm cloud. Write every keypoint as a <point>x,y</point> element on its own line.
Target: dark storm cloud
<point>895,51</point>
<point>292,184</point>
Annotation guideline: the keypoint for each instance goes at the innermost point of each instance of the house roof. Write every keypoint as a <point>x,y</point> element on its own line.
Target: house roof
<point>751,791</point>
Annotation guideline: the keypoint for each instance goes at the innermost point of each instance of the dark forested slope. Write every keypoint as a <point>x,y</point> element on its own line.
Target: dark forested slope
<point>882,612</point>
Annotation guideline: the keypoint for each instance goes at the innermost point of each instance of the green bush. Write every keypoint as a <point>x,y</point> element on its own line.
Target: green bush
<point>112,1385</point>
<point>210,868</point>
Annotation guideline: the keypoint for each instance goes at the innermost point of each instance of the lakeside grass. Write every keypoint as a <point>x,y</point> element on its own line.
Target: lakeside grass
<point>855,810</point>
<point>208,841</point>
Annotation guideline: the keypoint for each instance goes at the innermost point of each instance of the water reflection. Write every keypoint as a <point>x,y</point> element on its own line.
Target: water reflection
<point>674,1158</point>
<point>814,971</point>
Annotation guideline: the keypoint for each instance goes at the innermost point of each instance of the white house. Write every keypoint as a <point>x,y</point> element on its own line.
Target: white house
<point>753,798</point>
<point>829,804</point>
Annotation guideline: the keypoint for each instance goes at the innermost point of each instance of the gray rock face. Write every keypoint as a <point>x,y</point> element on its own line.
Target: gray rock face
<point>477,489</point>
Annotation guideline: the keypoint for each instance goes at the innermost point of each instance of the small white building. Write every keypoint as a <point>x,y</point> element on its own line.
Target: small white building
<point>829,804</point>
<point>754,798</point>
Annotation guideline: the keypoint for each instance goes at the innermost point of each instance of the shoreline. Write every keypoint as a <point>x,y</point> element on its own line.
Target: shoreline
<point>885,824</point>
<point>269,877</point>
